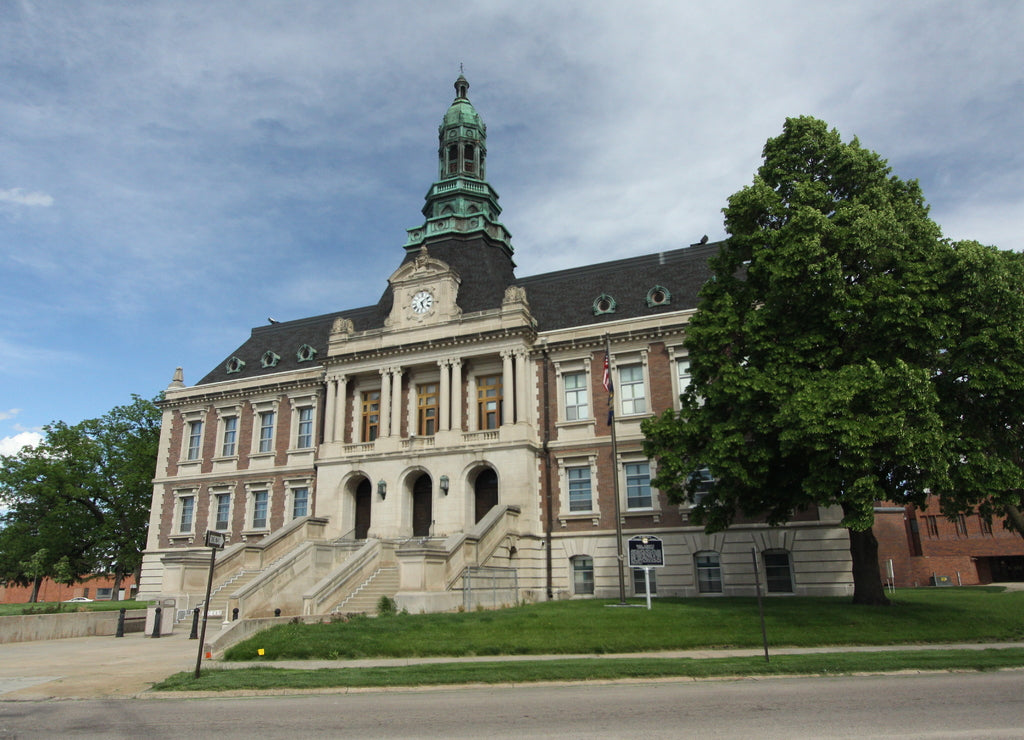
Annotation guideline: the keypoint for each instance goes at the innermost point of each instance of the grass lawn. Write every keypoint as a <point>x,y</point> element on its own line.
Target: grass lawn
<point>985,614</point>
<point>53,607</point>
<point>439,674</point>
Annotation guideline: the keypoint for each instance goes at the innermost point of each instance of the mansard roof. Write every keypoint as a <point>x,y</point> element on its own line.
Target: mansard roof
<point>558,300</point>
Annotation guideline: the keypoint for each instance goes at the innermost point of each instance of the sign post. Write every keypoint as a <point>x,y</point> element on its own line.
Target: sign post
<point>645,551</point>
<point>215,541</point>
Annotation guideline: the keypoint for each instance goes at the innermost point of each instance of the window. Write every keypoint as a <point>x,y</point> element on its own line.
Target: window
<point>701,482</point>
<point>260,506</point>
<point>488,396</point>
<point>576,407</point>
<point>931,525</point>
<point>104,594</point>
<point>305,434</point>
<point>266,431</point>
<point>709,572</point>
<point>222,511</point>
<point>986,525</point>
<point>638,485</point>
<point>582,574</point>
<point>682,374</point>
<point>961,525</point>
<point>579,489</point>
<point>186,513</point>
<point>427,408</point>
<point>778,573</point>
<point>639,582</point>
<point>631,389</point>
<point>371,415</point>
<point>300,502</point>
<point>195,440</point>
<point>228,447</point>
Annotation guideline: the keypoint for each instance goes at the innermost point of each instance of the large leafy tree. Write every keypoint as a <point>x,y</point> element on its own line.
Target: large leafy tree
<point>813,348</point>
<point>981,383</point>
<point>78,503</point>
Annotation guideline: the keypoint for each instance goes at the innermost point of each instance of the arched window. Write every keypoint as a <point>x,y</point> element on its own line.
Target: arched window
<point>582,575</point>
<point>708,566</point>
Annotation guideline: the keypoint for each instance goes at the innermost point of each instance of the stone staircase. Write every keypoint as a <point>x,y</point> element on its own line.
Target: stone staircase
<point>383,582</point>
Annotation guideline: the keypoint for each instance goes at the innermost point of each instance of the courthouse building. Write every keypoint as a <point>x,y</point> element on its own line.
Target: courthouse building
<point>451,443</point>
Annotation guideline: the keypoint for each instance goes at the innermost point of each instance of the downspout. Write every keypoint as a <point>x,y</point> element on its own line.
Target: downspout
<point>546,438</point>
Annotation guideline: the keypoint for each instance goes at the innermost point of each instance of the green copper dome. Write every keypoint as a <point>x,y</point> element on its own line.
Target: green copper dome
<point>461,201</point>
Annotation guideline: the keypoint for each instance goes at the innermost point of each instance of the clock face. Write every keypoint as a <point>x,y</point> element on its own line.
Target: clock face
<point>422,302</point>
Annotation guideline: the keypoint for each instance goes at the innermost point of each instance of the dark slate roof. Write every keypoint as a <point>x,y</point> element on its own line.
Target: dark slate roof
<point>557,300</point>
<point>566,298</point>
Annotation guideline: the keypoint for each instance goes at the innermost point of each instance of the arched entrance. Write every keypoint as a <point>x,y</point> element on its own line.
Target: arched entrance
<point>422,506</point>
<point>364,493</point>
<point>485,492</point>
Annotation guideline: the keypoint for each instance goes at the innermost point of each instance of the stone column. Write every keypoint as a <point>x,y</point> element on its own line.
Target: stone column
<point>445,397</point>
<point>340,409</point>
<point>396,401</point>
<point>457,394</point>
<point>384,429</point>
<point>507,389</point>
<point>522,387</point>
<point>332,391</point>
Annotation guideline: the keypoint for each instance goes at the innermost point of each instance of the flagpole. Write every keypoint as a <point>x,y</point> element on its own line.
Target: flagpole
<point>609,386</point>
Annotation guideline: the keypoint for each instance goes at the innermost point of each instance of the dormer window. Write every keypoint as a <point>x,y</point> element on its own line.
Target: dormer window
<point>305,353</point>
<point>270,359</point>
<point>658,296</point>
<point>234,365</point>
<point>604,304</point>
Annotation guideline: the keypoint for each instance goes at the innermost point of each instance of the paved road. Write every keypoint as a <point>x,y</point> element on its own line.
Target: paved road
<point>932,705</point>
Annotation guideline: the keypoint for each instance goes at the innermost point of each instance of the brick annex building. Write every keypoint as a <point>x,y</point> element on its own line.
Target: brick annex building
<point>453,434</point>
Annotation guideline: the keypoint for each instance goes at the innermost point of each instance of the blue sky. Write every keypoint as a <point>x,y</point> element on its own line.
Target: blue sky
<point>173,173</point>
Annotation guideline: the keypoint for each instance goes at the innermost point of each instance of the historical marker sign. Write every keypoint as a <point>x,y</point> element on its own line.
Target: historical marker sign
<point>645,551</point>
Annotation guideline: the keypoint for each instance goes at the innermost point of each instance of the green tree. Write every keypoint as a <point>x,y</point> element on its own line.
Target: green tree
<point>981,383</point>
<point>81,496</point>
<point>813,348</point>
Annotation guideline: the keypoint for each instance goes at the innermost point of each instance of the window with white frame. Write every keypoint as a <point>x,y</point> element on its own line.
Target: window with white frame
<point>640,582</point>
<point>304,435</point>
<point>300,501</point>
<point>638,485</point>
<point>682,374</point>
<point>632,392</point>
<point>221,511</point>
<point>580,490</point>
<point>708,565</point>
<point>266,438</point>
<point>260,508</point>
<point>229,436</point>
<point>186,512</point>
<point>576,396</point>
<point>582,574</point>
<point>195,440</point>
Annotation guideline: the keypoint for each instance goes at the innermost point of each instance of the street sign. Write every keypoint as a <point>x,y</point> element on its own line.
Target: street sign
<point>215,539</point>
<point>645,551</point>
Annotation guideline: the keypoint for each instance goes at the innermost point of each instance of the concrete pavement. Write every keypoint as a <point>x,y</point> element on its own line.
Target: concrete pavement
<point>109,667</point>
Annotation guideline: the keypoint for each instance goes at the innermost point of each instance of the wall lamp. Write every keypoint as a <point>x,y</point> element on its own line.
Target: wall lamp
<point>444,484</point>
<point>382,489</point>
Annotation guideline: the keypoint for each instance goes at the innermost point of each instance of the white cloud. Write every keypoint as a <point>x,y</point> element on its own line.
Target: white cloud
<point>21,197</point>
<point>12,445</point>
<point>9,414</point>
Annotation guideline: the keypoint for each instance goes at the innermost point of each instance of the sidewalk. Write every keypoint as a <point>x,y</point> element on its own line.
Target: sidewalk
<point>109,667</point>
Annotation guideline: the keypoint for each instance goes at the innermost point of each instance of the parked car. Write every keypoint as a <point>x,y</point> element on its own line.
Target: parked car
<point>77,599</point>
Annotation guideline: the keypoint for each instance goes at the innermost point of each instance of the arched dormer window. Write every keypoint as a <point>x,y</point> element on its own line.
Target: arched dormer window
<point>604,304</point>
<point>658,296</point>
<point>234,365</point>
<point>305,353</point>
<point>270,359</point>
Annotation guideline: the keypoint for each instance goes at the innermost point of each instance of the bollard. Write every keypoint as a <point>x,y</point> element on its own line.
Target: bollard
<point>120,623</point>
<point>156,622</point>
<point>195,624</point>
<point>277,612</point>
<point>234,614</point>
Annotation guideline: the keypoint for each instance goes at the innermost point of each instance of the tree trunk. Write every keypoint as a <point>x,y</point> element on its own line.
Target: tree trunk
<point>116,591</point>
<point>1015,518</point>
<point>36,583</point>
<point>867,579</point>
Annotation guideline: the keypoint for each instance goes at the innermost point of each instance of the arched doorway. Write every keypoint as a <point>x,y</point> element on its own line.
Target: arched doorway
<point>485,492</point>
<point>364,493</point>
<point>422,506</point>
